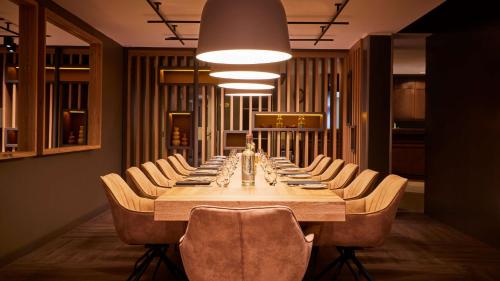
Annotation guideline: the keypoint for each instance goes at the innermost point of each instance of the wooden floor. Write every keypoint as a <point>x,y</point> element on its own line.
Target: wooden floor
<point>418,249</point>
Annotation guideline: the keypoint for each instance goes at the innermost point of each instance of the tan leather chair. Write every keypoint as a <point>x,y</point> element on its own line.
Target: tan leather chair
<point>178,166</point>
<point>168,171</point>
<point>135,225</point>
<point>156,176</point>
<point>323,163</point>
<point>368,222</point>
<point>142,186</point>
<point>330,172</point>
<point>184,163</point>
<point>359,187</point>
<point>344,177</point>
<point>257,244</point>
<point>314,163</point>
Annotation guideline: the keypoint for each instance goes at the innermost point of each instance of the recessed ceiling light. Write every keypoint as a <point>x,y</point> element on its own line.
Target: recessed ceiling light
<point>243,32</point>
<point>246,86</point>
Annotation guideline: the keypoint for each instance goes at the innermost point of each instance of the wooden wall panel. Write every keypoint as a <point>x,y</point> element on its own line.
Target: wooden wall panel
<point>307,83</point>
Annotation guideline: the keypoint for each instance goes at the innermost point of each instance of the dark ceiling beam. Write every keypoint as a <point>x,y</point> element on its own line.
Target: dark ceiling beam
<point>325,29</point>
<point>290,22</point>
<point>292,39</point>
<point>156,8</point>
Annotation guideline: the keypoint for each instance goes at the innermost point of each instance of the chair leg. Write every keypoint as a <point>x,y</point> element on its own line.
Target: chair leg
<point>361,268</point>
<point>141,265</point>
<point>346,255</point>
<point>331,266</point>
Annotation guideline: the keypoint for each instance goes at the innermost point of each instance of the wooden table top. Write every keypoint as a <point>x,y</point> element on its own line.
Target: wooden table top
<point>308,205</point>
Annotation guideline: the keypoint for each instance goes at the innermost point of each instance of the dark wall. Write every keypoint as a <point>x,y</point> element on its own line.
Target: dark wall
<point>43,195</point>
<point>463,129</point>
<point>378,50</point>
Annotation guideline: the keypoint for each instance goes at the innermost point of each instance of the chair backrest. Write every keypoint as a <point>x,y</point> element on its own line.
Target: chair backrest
<point>133,216</point>
<point>155,175</point>
<point>183,162</point>
<point>255,244</point>
<point>344,177</point>
<point>118,192</point>
<point>332,170</point>
<point>361,185</point>
<point>168,170</point>
<point>177,165</point>
<point>390,190</point>
<point>323,163</point>
<point>143,186</point>
<point>314,163</point>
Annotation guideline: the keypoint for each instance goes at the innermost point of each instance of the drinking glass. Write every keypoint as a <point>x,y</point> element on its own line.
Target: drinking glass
<point>273,178</point>
<point>220,180</point>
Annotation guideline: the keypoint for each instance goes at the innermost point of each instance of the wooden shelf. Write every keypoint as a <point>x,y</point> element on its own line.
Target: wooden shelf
<point>184,121</point>
<point>235,139</point>
<point>266,121</point>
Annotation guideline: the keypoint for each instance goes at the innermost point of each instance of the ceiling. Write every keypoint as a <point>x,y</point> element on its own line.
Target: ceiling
<point>56,36</point>
<point>125,20</point>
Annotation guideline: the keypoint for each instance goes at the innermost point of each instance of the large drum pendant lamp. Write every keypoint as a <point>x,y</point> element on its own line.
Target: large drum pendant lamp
<point>245,72</point>
<point>243,32</point>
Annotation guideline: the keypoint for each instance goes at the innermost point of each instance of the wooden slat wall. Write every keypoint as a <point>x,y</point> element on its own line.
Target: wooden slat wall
<point>353,132</point>
<point>305,85</point>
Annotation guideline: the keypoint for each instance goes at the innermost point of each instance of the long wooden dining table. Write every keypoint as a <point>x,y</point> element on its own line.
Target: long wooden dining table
<point>308,205</point>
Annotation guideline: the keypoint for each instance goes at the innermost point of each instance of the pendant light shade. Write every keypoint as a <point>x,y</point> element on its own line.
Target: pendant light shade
<point>247,93</point>
<point>243,32</point>
<point>246,72</point>
<point>246,86</point>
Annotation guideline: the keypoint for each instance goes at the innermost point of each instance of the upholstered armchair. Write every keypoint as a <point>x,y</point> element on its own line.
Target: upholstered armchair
<point>314,163</point>
<point>142,186</point>
<point>135,225</point>
<point>368,222</point>
<point>184,163</point>
<point>168,171</point>
<point>178,166</point>
<point>359,187</point>
<point>257,244</point>
<point>344,177</point>
<point>323,163</point>
<point>330,172</point>
<point>156,176</point>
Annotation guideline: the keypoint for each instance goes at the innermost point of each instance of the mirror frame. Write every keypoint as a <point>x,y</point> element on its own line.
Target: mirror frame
<point>26,115</point>
<point>95,85</point>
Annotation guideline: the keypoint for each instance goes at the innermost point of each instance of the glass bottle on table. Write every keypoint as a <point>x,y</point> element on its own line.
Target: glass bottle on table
<point>248,163</point>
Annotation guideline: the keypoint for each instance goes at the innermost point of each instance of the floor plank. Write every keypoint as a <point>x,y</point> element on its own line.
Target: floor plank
<point>418,248</point>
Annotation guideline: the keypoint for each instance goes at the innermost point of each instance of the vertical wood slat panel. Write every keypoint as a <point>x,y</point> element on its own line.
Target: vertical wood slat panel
<point>333,106</point>
<point>278,108</point>
<point>259,138</point>
<point>250,107</point>
<point>288,77</point>
<point>212,121</point>
<point>241,114</point>
<point>306,109</point>
<point>128,117</point>
<point>297,109</point>
<point>137,130</point>
<point>145,115</point>
<point>221,137</point>
<point>203,123</point>
<point>324,94</point>
<point>166,104</point>
<point>269,134</point>
<point>155,105</point>
<point>231,113</point>
<point>316,103</point>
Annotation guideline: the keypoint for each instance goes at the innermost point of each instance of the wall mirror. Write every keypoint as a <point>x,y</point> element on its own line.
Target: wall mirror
<point>72,93</point>
<point>18,78</point>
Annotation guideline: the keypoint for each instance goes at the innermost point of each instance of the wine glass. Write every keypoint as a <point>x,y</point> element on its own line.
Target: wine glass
<point>226,180</point>
<point>273,178</point>
<point>220,180</point>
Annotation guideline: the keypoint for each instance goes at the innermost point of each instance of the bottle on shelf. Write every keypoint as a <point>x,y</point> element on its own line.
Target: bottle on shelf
<point>248,162</point>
